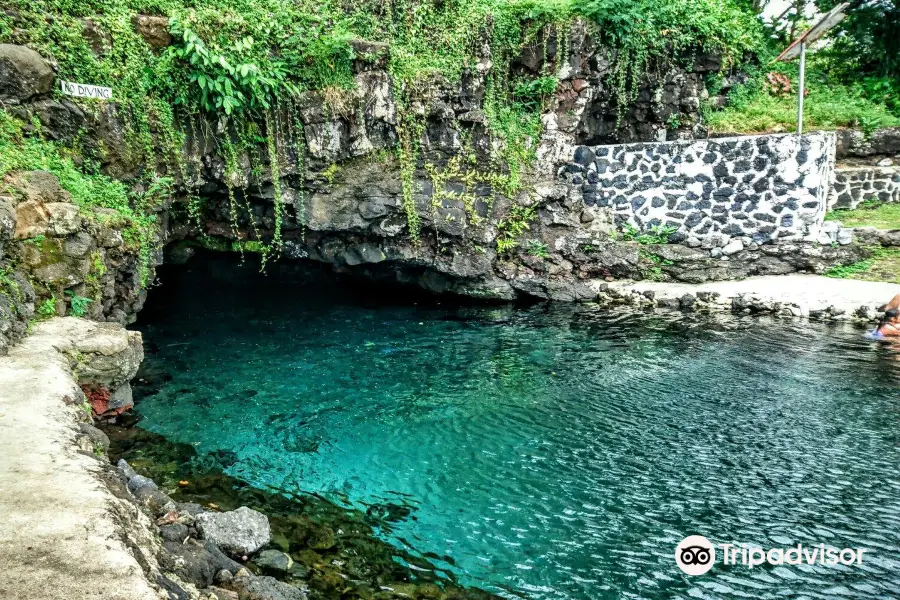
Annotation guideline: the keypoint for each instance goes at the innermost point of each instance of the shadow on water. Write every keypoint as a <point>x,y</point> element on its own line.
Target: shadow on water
<point>340,553</point>
<point>537,451</point>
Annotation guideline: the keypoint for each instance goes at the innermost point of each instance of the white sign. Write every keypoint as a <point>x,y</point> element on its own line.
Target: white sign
<point>83,90</point>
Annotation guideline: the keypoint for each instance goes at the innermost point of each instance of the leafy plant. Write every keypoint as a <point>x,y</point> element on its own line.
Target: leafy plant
<point>47,308</point>
<point>515,224</point>
<point>656,263</point>
<point>37,240</point>
<point>829,104</point>
<point>872,213</point>
<point>537,248</point>
<point>658,234</point>
<point>505,245</point>
<point>648,33</point>
<point>78,305</point>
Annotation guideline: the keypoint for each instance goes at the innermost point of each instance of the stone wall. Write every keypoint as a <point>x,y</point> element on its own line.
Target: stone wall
<point>854,185</point>
<point>761,188</point>
<point>856,144</point>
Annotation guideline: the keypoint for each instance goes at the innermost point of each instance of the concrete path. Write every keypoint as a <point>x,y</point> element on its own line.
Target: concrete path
<point>800,295</point>
<point>63,534</point>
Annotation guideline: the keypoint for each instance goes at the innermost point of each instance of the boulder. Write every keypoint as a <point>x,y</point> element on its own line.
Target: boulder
<point>369,55</point>
<point>97,37</point>
<point>38,186</point>
<point>222,594</point>
<point>195,562</point>
<point>64,218</point>
<point>122,397</point>
<point>59,273</point>
<point>32,219</point>
<point>24,74</point>
<point>77,245</point>
<point>125,469</point>
<point>154,30</point>
<point>99,440</point>
<point>106,354</point>
<point>733,247</point>
<point>140,484</point>
<point>238,532</point>
<point>265,588</point>
<point>174,532</point>
<point>60,120</point>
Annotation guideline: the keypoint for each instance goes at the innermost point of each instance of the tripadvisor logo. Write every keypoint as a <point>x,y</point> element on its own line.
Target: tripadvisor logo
<point>696,555</point>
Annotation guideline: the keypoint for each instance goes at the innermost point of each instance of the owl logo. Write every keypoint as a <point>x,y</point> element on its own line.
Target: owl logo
<point>695,555</point>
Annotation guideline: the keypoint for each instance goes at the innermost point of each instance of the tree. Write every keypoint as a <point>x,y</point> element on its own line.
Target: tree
<point>867,42</point>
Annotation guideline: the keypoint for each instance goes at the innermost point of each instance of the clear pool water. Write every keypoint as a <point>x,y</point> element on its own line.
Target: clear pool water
<point>546,452</point>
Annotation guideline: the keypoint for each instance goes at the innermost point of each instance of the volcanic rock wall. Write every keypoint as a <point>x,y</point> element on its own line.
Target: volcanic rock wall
<point>333,189</point>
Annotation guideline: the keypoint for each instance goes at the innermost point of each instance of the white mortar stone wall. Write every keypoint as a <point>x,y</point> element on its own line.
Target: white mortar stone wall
<point>855,185</point>
<point>758,189</point>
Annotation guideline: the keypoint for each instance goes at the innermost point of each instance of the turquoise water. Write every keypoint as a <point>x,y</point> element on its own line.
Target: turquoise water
<point>545,452</point>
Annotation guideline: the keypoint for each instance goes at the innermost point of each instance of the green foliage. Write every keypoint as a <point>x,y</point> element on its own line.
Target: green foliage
<point>248,56</point>
<point>829,105</point>
<point>247,60</point>
<point>867,41</point>
<point>22,152</point>
<point>330,172</point>
<point>9,287</point>
<point>514,225</point>
<point>37,240</point>
<point>537,248</point>
<point>506,245</point>
<point>658,234</point>
<point>655,264</point>
<point>531,92</point>
<point>78,305</point>
<point>651,33</point>
<point>883,265</point>
<point>47,308</point>
<point>848,271</point>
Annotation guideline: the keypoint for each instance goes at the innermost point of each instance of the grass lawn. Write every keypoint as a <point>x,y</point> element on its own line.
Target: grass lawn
<point>883,266</point>
<point>869,214</point>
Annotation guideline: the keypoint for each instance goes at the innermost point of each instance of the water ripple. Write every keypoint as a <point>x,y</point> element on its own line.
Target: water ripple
<point>557,453</point>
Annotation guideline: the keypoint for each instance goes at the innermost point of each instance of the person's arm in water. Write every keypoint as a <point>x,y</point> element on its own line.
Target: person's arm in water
<point>894,304</point>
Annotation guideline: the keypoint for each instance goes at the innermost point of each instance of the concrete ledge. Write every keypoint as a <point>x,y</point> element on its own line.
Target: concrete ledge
<point>63,533</point>
<point>790,295</point>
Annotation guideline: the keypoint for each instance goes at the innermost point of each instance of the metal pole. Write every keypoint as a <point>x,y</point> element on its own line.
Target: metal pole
<point>802,88</point>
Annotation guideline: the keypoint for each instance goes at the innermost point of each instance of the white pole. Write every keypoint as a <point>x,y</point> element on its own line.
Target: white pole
<point>802,88</point>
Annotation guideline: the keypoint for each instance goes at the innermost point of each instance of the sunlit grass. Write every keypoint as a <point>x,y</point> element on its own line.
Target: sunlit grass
<point>829,105</point>
<point>878,215</point>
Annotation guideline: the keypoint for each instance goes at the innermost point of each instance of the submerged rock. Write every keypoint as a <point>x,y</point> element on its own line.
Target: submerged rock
<point>274,561</point>
<point>265,588</point>
<point>139,484</point>
<point>125,469</point>
<point>241,531</point>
